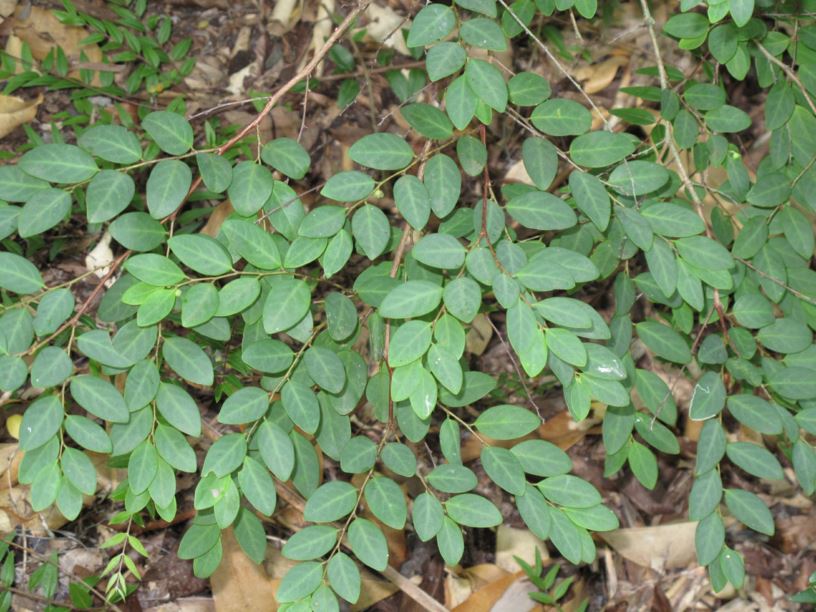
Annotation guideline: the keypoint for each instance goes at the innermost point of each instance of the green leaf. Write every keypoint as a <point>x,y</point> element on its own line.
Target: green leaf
<point>596,518</point>
<point>331,502</point>
<point>427,516</point>
<point>534,511</point>
<point>542,211</point>
<point>371,230</point>
<point>542,458</point>
<point>174,448</point>
<point>51,367</point>
<point>19,275</point>
<point>528,89</point>
<point>643,463</point>
<point>287,156</point>
<point>267,355</point>
<point>411,299</point>
<point>172,132</point>
<point>310,543</point>
<point>785,335</point>
<point>741,11</point>
<point>665,342</point>
<point>142,467</point>
<point>215,171</point>
<point>428,120</point>
<point>460,105</point>
<point>540,159</point>
<point>348,186</point>
<point>250,188</point>
<point>473,511</point>
<point>755,460</point>
<point>440,251</point>
<point>225,455</point>
<point>705,495</point>
<point>287,303</point>
<point>686,25</point>
<point>410,342</point>
<point>673,220</point>
<point>108,194</point>
<point>344,577</point>
<point>399,459</point>
<point>503,468</point>
<point>137,231</point>
<point>750,510</point>
<point>637,178</point>
<point>450,541</point>
<point>382,151</point>
<point>244,406</point>
<point>17,186</point>
<point>571,491</point>
<point>565,536</point>
<point>41,421</point>
<point>198,539</point>
<point>755,413</point>
<point>709,538</point>
<point>600,149</point>
<point>452,478</point>
<point>487,82</point>
<point>188,360</point>
<point>413,200</point>
<point>432,23</point>
<point>167,187</point>
<point>58,163</point>
<point>299,582</point>
<point>794,383</point>
<point>100,398</point>
<point>483,33</point>
<point>727,119</point>
<point>252,243</point>
<point>368,544</point>
<point>87,434</point>
<point>325,368</point>
<point>112,143</point>
<point>386,501</point>
<point>444,59</point>
<point>179,409</point>
<point>443,182</point>
<point>561,117</point>
<point>301,405</point>
<point>507,422</point>
<point>708,398</point>
<point>277,450</point>
<point>201,253</point>
<point>43,211</point>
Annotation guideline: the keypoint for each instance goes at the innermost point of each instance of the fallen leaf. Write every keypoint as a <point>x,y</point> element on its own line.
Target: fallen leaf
<point>521,543</point>
<point>239,584</point>
<point>669,546</point>
<point>15,112</point>
<point>41,29</point>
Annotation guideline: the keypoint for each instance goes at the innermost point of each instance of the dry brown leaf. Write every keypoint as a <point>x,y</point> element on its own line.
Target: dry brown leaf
<point>504,589</point>
<point>41,29</point>
<point>15,112</point>
<point>669,546</point>
<point>598,76</point>
<point>186,604</point>
<point>521,543</point>
<point>563,431</point>
<point>239,584</point>
<point>479,334</point>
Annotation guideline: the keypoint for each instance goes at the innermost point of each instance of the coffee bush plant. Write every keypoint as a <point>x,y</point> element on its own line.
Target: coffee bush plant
<point>336,335</point>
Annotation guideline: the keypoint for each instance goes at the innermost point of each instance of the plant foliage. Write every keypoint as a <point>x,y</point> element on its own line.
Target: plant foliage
<point>713,279</point>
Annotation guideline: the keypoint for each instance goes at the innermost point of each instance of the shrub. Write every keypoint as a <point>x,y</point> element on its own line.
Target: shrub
<point>292,320</point>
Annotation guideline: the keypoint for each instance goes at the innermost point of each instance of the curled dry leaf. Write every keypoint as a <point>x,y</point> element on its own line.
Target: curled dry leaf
<point>669,546</point>
<point>41,30</point>
<point>15,112</point>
